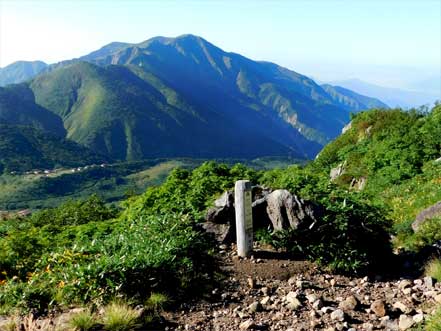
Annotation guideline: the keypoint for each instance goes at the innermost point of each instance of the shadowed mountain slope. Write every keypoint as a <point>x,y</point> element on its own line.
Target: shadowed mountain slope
<point>185,97</point>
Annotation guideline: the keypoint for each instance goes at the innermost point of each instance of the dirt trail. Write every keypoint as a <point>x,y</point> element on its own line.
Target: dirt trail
<point>272,292</point>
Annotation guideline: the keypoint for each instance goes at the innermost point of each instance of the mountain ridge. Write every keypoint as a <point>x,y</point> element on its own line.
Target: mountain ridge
<point>394,97</point>
<point>186,97</point>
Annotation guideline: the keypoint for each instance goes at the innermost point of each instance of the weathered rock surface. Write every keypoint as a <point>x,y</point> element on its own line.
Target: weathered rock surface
<point>279,209</point>
<point>428,213</point>
<point>220,219</point>
<point>378,308</point>
<point>337,171</point>
<point>287,211</point>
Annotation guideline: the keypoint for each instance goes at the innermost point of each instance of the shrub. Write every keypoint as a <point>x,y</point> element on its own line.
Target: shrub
<point>119,316</point>
<point>434,322</point>
<point>156,302</point>
<point>82,321</point>
<point>22,245</point>
<point>352,235</point>
<point>75,213</point>
<point>433,269</point>
<point>429,232</point>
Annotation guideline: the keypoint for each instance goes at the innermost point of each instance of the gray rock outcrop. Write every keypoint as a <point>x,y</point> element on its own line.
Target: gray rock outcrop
<point>428,213</point>
<point>288,211</point>
<point>279,209</point>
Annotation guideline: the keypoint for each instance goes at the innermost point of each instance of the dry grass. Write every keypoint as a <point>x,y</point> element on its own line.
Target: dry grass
<point>119,316</point>
<point>82,321</point>
<point>433,269</point>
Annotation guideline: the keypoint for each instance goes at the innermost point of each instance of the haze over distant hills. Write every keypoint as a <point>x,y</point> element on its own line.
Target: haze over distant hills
<point>20,71</point>
<point>173,97</point>
<point>395,97</point>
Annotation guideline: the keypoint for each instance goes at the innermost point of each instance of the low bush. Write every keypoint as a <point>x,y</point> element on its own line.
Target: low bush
<point>119,316</point>
<point>352,235</point>
<point>156,302</point>
<point>434,322</point>
<point>433,269</point>
<point>141,254</point>
<point>82,321</point>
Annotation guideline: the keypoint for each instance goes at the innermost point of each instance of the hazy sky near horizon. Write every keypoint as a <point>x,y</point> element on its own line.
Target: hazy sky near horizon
<point>392,42</point>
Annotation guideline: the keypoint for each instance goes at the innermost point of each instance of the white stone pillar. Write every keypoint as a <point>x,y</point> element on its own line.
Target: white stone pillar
<point>244,217</point>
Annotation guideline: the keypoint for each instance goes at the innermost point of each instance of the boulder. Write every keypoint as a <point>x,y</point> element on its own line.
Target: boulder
<point>220,219</point>
<point>279,209</point>
<point>223,210</point>
<point>223,233</point>
<point>428,213</point>
<point>405,322</point>
<point>287,211</point>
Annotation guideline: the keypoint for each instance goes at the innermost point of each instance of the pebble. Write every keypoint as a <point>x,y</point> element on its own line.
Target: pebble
<point>338,315</point>
<point>418,318</point>
<point>348,304</point>
<point>247,325</point>
<point>378,308</point>
<point>405,322</point>
<point>428,282</point>
<point>255,307</point>
<point>401,307</point>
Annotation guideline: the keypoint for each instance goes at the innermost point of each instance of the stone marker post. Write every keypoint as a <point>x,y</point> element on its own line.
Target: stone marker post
<point>244,217</point>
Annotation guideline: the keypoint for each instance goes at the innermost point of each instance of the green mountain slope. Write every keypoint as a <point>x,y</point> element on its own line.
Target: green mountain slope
<point>391,158</point>
<point>24,148</point>
<point>190,64</point>
<point>18,107</point>
<point>132,114</point>
<point>385,147</point>
<point>20,71</point>
<point>185,97</point>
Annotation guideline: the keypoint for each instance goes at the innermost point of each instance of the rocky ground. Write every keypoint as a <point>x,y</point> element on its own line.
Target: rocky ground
<point>271,292</point>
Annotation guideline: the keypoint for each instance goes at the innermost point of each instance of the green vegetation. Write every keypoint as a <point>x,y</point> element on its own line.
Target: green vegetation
<point>87,252</point>
<point>394,152</point>
<point>23,148</point>
<point>156,302</point>
<point>112,183</point>
<point>433,269</point>
<point>434,322</point>
<point>351,100</point>
<point>152,105</point>
<point>82,321</point>
<point>18,107</point>
<point>119,316</point>
<point>20,71</point>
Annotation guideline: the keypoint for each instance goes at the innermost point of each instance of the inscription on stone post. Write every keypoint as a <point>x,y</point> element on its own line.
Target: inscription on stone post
<point>244,217</point>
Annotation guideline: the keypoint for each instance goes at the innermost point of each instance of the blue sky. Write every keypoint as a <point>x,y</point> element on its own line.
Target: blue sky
<point>393,42</point>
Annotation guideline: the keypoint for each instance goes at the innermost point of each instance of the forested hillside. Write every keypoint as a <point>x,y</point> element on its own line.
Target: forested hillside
<point>24,148</point>
<point>181,97</point>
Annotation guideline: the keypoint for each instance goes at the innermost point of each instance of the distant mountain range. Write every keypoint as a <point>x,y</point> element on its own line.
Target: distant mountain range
<point>392,96</point>
<point>20,71</point>
<point>177,97</point>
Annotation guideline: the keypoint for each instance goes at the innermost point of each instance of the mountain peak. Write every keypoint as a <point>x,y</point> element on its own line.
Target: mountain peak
<point>186,38</point>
